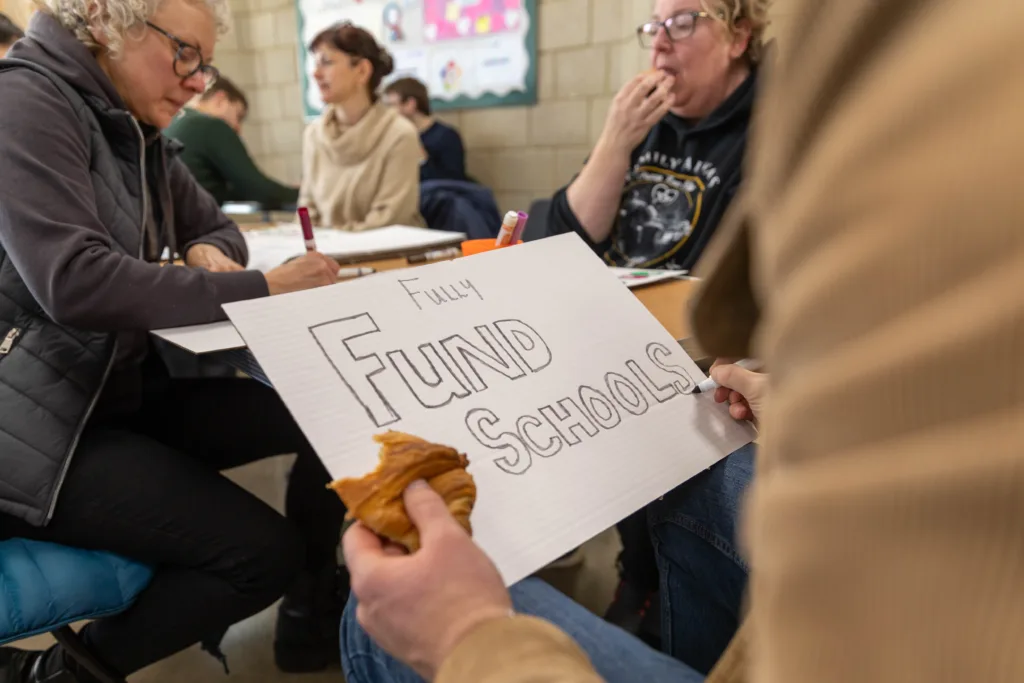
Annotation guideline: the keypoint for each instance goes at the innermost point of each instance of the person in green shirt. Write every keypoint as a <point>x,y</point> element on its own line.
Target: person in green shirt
<point>9,34</point>
<point>214,151</point>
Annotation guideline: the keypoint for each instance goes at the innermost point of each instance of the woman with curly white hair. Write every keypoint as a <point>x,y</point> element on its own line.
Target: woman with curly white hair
<point>99,447</point>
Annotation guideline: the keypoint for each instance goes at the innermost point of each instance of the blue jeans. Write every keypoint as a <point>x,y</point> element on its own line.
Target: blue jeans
<point>703,576</point>
<point>703,579</point>
<point>617,656</point>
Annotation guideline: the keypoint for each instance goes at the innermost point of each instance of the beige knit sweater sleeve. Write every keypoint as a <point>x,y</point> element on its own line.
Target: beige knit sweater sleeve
<point>518,650</point>
<point>885,525</point>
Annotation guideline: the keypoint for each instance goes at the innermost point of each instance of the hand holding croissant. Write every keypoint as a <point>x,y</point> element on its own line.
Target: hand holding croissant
<point>376,499</point>
<point>418,606</point>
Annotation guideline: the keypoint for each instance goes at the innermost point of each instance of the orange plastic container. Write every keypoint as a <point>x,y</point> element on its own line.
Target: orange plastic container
<point>470,247</point>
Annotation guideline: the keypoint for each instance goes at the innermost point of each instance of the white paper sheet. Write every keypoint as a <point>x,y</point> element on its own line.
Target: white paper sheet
<point>640,277</point>
<point>270,247</point>
<point>484,353</point>
<point>201,339</point>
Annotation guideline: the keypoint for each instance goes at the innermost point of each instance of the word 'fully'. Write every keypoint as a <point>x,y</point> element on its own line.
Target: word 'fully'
<point>441,294</point>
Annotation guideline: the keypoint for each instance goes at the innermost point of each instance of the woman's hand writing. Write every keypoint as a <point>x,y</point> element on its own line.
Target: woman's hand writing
<point>211,258</point>
<point>310,270</point>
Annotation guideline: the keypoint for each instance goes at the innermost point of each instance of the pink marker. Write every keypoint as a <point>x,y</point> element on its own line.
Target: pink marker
<point>517,234</point>
<point>307,229</point>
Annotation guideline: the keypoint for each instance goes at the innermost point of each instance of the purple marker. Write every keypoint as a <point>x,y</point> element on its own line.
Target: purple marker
<point>517,234</point>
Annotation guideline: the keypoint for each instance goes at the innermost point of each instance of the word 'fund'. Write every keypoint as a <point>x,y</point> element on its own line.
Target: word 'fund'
<point>438,372</point>
<point>583,414</point>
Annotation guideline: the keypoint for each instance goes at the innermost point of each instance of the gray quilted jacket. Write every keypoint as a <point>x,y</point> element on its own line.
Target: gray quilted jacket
<point>88,199</point>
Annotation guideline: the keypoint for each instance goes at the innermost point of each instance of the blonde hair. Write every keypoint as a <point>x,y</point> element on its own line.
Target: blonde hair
<point>117,18</point>
<point>730,12</point>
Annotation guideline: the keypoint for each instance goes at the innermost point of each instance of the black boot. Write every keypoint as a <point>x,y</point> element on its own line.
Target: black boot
<point>308,620</point>
<point>16,665</point>
<point>34,666</point>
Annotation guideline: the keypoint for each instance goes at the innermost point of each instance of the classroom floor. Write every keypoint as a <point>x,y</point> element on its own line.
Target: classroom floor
<point>248,644</point>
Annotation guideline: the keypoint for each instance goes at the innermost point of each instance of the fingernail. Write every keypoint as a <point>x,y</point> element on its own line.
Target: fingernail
<point>418,484</point>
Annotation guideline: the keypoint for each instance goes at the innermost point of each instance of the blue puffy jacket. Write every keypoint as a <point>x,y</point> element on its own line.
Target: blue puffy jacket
<point>459,206</point>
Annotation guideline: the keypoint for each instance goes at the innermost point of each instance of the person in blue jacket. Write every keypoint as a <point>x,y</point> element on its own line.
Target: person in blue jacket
<point>446,157</point>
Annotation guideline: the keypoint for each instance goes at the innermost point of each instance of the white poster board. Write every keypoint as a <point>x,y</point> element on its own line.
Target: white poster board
<point>270,247</point>
<point>567,395</point>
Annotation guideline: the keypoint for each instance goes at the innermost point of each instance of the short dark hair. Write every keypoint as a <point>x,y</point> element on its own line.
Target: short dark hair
<point>360,44</point>
<point>230,90</point>
<point>411,89</point>
<point>9,31</point>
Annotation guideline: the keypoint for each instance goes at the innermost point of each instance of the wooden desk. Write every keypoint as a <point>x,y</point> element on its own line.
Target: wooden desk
<point>667,301</point>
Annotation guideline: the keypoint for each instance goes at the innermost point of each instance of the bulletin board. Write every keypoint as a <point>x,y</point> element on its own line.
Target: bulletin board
<point>470,53</point>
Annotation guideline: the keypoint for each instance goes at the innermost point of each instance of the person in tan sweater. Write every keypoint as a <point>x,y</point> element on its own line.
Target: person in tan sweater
<point>361,159</point>
<point>885,527</point>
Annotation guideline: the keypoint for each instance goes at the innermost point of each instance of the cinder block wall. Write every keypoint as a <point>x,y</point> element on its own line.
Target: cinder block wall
<point>261,56</point>
<point>587,50</point>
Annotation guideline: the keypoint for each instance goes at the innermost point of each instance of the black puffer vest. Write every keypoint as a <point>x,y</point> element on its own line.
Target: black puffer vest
<point>50,375</point>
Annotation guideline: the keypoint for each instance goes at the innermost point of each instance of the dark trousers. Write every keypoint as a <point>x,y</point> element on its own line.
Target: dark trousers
<point>637,564</point>
<point>148,486</point>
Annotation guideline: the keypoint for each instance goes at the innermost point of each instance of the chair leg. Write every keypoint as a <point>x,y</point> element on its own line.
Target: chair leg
<point>76,649</point>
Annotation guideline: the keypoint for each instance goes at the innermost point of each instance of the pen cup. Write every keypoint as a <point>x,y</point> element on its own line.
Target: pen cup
<point>470,247</point>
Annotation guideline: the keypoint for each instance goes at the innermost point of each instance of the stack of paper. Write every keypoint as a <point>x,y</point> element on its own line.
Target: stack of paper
<point>270,247</point>
<point>201,339</point>
<point>639,277</point>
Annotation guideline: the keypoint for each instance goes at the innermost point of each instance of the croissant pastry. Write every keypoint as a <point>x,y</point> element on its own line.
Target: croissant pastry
<point>376,499</point>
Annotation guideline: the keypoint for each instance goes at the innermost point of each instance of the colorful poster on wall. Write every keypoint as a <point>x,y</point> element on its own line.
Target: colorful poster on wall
<point>469,53</point>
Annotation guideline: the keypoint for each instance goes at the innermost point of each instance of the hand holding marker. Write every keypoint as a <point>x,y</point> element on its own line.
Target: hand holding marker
<point>709,385</point>
<point>310,241</point>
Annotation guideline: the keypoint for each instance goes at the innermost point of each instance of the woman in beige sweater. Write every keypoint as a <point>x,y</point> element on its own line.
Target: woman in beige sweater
<point>361,159</point>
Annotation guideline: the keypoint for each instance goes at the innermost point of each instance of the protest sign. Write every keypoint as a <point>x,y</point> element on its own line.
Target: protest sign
<point>569,398</point>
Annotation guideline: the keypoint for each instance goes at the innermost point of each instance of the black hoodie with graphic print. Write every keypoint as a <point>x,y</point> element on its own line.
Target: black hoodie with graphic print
<point>680,183</point>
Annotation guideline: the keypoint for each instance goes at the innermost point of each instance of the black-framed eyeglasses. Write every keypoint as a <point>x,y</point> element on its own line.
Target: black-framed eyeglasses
<point>188,61</point>
<point>679,27</point>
